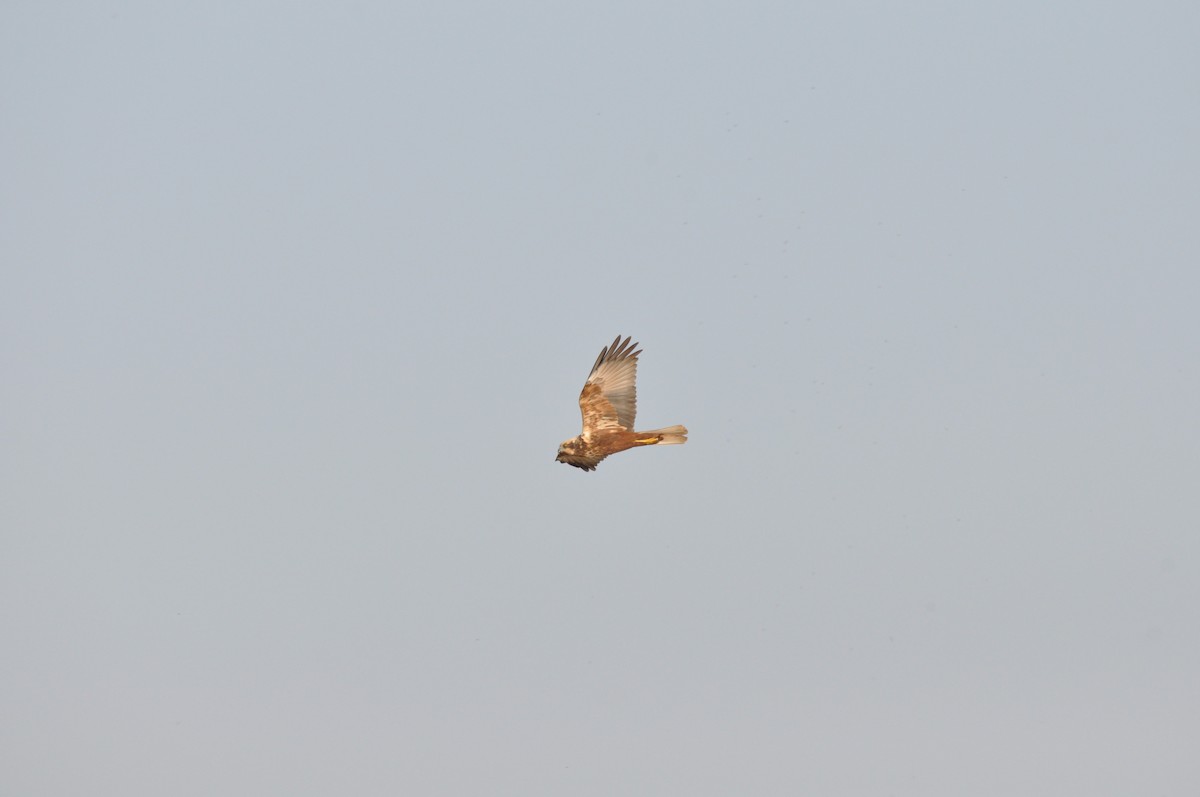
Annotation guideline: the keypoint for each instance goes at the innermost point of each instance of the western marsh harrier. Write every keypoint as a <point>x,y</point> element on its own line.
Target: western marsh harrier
<point>608,403</point>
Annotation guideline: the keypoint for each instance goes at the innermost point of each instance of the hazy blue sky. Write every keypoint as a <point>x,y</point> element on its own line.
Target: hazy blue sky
<point>297,300</point>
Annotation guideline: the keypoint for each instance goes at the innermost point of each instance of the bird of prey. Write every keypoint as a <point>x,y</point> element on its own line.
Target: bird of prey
<point>608,403</point>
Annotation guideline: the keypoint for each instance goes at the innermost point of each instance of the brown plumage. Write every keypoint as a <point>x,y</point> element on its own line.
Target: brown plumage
<point>609,403</point>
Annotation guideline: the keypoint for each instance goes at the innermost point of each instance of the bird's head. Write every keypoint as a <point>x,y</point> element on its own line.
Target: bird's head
<point>567,448</point>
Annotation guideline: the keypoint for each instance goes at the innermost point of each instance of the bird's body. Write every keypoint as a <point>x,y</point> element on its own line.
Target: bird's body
<point>609,404</point>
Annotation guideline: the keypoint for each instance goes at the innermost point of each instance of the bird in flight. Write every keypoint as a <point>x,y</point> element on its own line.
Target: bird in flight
<point>609,403</point>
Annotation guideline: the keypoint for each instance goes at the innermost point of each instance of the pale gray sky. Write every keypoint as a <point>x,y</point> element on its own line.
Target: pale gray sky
<point>297,301</point>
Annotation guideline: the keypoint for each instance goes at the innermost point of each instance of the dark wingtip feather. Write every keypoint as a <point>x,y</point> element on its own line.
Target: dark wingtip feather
<point>626,349</point>
<point>617,350</point>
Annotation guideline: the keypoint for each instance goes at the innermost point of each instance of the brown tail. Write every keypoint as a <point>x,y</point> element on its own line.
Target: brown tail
<point>667,436</point>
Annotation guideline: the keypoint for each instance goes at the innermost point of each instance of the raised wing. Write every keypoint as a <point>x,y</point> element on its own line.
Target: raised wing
<point>609,397</point>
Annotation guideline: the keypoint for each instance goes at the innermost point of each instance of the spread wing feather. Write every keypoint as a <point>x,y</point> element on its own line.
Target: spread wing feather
<point>609,397</point>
